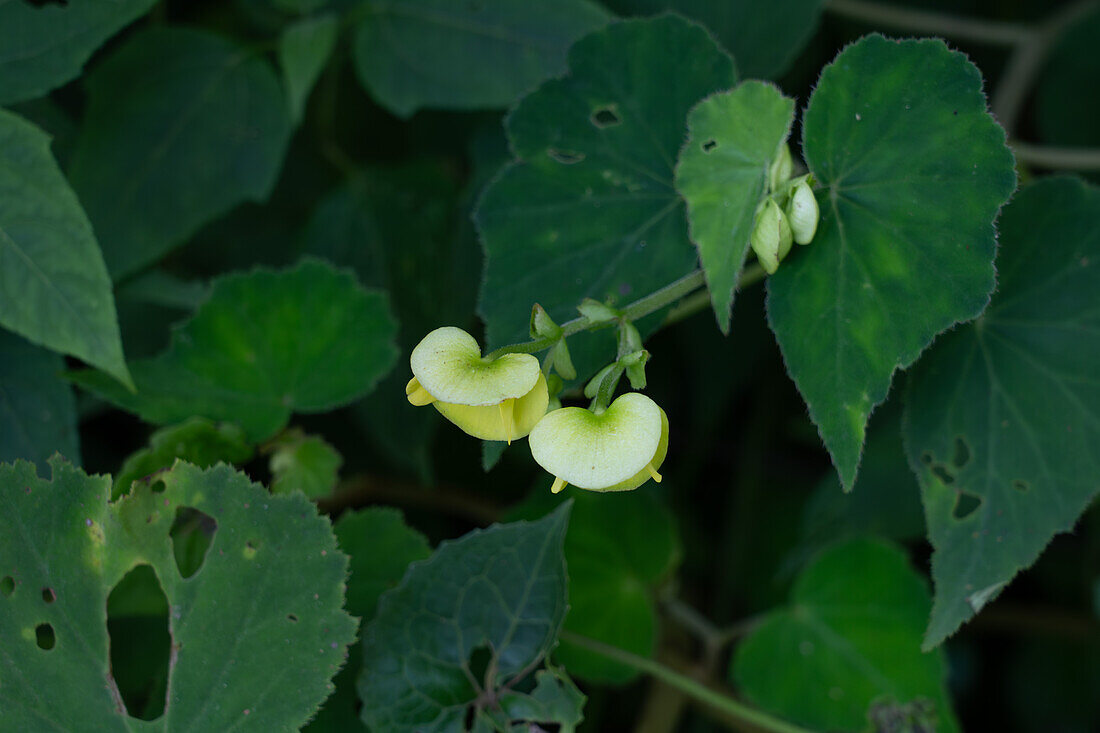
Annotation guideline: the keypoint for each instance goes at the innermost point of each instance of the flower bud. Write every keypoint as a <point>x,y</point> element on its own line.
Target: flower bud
<point>563,363</point>
<point>781,168</point>
<point>771,236</point>
<point>803,213</point>
<point>542,326</point>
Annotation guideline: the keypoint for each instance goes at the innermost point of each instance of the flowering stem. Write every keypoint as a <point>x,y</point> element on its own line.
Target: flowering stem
<point>638,309</point>
<point>742,714</point>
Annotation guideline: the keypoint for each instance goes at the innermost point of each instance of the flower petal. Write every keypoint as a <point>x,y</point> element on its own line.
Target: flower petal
<point>448,364</point>
<point>490,422</point>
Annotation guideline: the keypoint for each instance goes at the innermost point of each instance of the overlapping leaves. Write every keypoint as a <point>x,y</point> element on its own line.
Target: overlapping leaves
<point>266,344</point>
<point>913,172</point>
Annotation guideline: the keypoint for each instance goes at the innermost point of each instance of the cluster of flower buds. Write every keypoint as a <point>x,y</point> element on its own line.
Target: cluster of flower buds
<point>789,214</point>
<point>602,448</point>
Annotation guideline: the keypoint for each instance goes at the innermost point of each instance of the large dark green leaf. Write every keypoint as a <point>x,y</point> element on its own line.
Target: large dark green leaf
<point>266,344</point>
<point>37,411</point>
<point>304,49</point>
<point>182,125</point>
<point>732,139</point>
<point>589,208</point>
<point>463,55</point>
<point>1002,420</point>
<point>257,631</point>
<point>848,644</point>
<point>914,171</point>
<point>44,47</point>
<point>501,590</point>
<point>764,37</point>
<point>54,289</point>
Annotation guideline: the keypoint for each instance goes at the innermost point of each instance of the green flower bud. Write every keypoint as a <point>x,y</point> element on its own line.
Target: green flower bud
<point>803,213</point>
<point>635,368</point>
<point>771,236</point>
<point>781,168</point>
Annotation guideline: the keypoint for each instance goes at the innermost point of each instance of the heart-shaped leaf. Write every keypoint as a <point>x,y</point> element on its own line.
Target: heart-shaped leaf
<point>1002,418</point>
<point>604,452</point>
<point>589,208</point>
<point>913,171</point>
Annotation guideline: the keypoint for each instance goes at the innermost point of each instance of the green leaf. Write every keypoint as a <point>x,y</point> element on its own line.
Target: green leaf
<point>197,441</point>
<point>304,49</point>
<point>406,229</point>
<point>555,699</point>
<point>37,410</point>
<point>914,170</point>
<point>764,37</point>
<point>722,174</point>
<point>502,589</point>
<point>304,463</point>
<point>437,53</point>
<point>1002,419</point>
<point>43,47</point>
<point>266,344</point>
<point>181,126</point>
<point>381,547</point>
<point>589,208</point>
<point>618,548</point>
<point>849,642</point>
<point>54,289</point>
<point>266,601</point>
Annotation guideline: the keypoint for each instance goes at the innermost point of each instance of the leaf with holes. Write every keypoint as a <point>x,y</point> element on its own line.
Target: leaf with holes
<point>764,37</point>
<point>43,47</point>
<point>257,631</point>
<point>37,410</point>
<point>1002,419</point>
<point>181,126</point>
<point>265,344</point>
<point>732,139</point>
<point>498,593</point>
<point>913,172</point>
<point>54,289</point>
<point>438,53</point>
<point>848,648</point>
<point>589,208</point>
<point>618,549</point>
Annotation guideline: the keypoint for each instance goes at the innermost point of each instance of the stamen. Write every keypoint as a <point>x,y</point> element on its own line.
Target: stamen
<point>506,418</point>
<point>417,395</point>
<point>559,484</point>
<point>653,472</point>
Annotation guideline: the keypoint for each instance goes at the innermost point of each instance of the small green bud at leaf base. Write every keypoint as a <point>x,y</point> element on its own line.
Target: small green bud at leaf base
<point>593,385</point>
<point>767,235</point>
<point>803,213</point>
<point>786,238</point>
<point>501,399</point>
<point>542,325</point>
<point>563,364</point>
<point>635,368</point>
<point>781,168</point>
<point>617,450</point>
<point>597,312</point>
<point>629,339</point>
